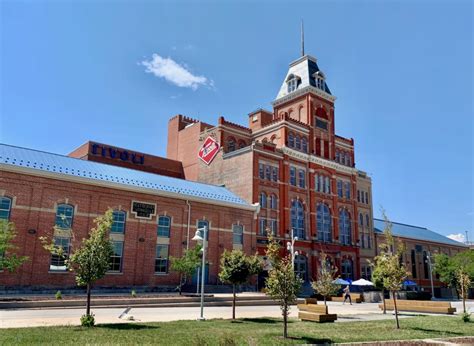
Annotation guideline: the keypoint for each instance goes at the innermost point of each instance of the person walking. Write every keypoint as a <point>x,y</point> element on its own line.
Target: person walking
<point>347,294</point>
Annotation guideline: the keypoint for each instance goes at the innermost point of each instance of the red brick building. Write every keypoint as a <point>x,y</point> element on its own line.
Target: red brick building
<point>155,216</point>
<point>291,162</point>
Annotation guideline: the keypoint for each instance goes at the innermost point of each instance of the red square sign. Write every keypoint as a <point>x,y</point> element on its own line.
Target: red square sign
<point>209,150</point>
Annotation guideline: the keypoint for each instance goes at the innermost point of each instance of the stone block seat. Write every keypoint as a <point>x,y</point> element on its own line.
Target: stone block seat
<point>428,306</point>
<point>311,311</point>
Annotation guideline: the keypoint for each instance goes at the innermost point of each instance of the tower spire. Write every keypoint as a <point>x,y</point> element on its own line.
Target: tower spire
<point>302,38</point>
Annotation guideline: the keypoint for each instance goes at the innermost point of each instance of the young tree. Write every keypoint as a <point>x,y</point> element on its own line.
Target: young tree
<point>91,260</point>
<point>324,284</point>
<point>9,260</point>
<point>282,284</point>
<point>236,269</point>
<point>388,267</point>
<point>446,270</point>
<point>186,265</point>
<point>377,279</point>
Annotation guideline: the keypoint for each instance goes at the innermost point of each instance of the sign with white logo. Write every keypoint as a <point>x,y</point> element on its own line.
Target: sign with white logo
<point>143,210</point>
<point>209,150</point>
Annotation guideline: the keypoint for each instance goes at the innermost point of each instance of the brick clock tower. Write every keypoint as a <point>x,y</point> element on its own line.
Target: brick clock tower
<point>293,164</point>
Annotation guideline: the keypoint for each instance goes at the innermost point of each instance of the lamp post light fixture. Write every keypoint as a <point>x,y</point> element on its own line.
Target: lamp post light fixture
<point>290,246</point>
<point>428,258</point>
<point>202,238</point>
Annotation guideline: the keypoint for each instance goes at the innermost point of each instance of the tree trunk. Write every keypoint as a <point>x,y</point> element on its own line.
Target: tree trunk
<point>463,295</point>
<point>233,302</point>
<point>325,300</point>
<point>395,306</point>
<point>88,304</point>
<point>383,300</point>
<point>285,321</point>
<point>180,283</point>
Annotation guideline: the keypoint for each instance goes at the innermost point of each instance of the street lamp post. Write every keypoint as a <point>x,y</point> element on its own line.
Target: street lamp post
<point>428,258</point>
<point>203,238</point>
<point>290,246</point>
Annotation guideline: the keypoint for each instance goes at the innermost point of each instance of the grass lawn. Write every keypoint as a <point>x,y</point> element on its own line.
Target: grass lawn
<point>260,331</point>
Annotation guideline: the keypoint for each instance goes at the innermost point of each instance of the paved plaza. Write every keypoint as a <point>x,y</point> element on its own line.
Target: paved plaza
<point>68,316</point>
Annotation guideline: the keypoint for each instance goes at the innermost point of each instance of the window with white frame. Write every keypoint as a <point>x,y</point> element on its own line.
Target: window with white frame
<point>293,176</point>
<point>297,142</point>
<point>302,178</point>
<point>5,208</point>
<point>164,226</point>
<point>347,190</point>
<point>268,173</point>
<point>118,223</point>
<point>292,84</point>
<point>304,144</point>
<point>61,254</point>
<point>339,188</point>
<point>263,200</point>
<point>327,185</point>
<point>161,259</point>
<point>275,174</point>
<point>273,201</point>
<point>273,225</point>
<point>261,171</point>
<point>298,219</point>
<point>323,222</point>
<point>115,264</point>
<point>64,216</point>
<point>238,234</point>
<point>291,140</point>
<point>344,227</point>
<point>262,226</point>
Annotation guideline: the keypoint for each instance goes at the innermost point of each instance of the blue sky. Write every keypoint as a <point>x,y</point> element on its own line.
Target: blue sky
<point>402,72</point>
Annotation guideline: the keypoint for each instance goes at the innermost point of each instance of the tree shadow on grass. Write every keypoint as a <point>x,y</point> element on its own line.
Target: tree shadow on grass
<point>310,340</point>
<point>126,326</point>
<point>260,320</point>
<point>440,332</point>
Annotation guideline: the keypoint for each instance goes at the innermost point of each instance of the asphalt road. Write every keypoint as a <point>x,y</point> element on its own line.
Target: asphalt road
<point>50,317</point>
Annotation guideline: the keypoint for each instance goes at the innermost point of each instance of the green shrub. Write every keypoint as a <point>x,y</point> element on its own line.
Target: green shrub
<point>87,320</point>
<point>58,295</point>
<point>134,293</point>
<point>466,317</point>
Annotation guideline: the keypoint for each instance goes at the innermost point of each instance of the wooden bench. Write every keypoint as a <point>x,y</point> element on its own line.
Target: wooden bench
<point>355,297</point>
<point>311,311</point>
<point>420,306</point>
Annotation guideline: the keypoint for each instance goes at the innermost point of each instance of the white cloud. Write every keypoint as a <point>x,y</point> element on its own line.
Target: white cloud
<point>458,237</point>
<point>175,73</point>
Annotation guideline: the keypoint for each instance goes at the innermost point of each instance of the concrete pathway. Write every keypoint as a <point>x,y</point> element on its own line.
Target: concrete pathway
<point>51,317</point>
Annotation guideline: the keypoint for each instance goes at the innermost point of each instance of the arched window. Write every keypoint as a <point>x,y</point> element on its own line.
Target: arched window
<point>323,222</point>
<point>297,219</point>
<point>230,144</point>
<point>304,144</point>
<point>238,234</point>
<point>273,201</point>
<point>301,267</point>
<point>5,208</point>
<point>263,200</point>
<point>298,142</point>
<point>242,144</point>
<point>346,269</point>
<point>64,216</point>
<point>344,227</point>
<point>118,224</point>
<point>291,140</point>
<point>292,84</point>
<point>164,226</point>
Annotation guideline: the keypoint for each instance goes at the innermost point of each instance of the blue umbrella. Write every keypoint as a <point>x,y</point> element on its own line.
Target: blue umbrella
<point>409,283</point>
<point>340,281</point>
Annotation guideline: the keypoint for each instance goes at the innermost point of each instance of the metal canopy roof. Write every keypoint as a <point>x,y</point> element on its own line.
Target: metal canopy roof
<point>67,167</point>
<point>414,232</point>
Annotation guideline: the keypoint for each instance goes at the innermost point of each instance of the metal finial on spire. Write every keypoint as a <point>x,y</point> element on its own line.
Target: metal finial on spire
<point>302,38</point>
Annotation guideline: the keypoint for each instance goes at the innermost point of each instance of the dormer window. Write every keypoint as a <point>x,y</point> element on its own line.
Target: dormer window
<point>320,83</point>
<point>319,80</point>
<point>292,82</point>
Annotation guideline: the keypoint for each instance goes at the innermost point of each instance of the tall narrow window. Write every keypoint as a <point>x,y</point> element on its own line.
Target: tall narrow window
<point>358,196</point>
<point>5,208</point>
<point>261,171</point>
<point>262,226</point>
<point>164,226</point>
<point>293,176</point>
<point>367,221</point>
<point>327,185</point>
<point>367,197</point>
<point>298,219</point>
<point>347,269</point>
<point>238,234</point>
<point>304,145</point>
<point>58,261</point>
<point>292,84</point>
<point>361,220</point>
<point>323,222</point>
<point>344,227</point>
<point>263,200</point>
<point>116,258</point>
<point>291,140</point>
<point>339,188</point>
<point>273,227</point>
<point>337,156</point>
<point>298,142</point>
<point>230,144</point>
<point>204,223</point>
<point>413,263</point>
<point>161,259</point>
<point>318,181</point>
<point>426,271</point>
<point>273,201</point>
<point>118,224</point>
<point>275,174</point>
<point>64,216</point>
<point>302,178</point>
<point>301,267</point>
<point>268,173</point>
<point>348,190</point>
